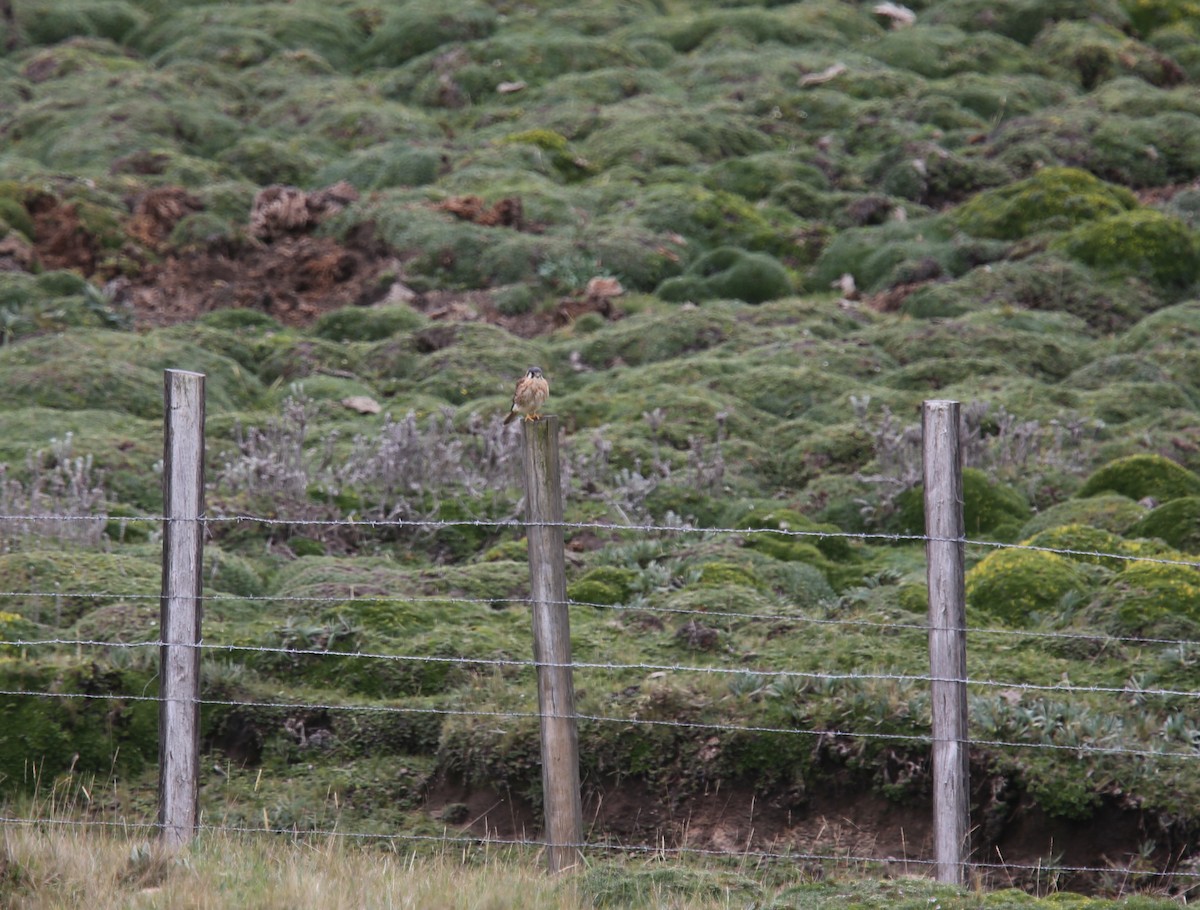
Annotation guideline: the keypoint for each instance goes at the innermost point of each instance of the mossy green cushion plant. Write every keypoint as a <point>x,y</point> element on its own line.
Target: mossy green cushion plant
<point>603,585</point>
<point>1053,199</point>
<point>1144,243</point>
<point>1087,543</point>
<point>797,538</point>
<point>1141,476</point>
<point>1013,585</point>
<point>729,273</point>
<point>1177,522</point>
<point>1108,511</point>
<point>1150,595</point>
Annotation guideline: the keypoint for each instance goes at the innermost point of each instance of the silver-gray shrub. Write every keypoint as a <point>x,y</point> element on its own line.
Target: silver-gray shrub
<point>408,468</point>
<point>60,498</point>
<point>1009,449</point>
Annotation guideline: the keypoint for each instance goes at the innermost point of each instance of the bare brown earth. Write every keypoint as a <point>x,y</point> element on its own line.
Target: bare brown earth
<point>279,265</point>
<point>832,829</point>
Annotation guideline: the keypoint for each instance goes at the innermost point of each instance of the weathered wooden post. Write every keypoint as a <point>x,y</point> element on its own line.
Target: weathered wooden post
<point>944,553</point>
<point>179,622</point>
<point>552,644</point>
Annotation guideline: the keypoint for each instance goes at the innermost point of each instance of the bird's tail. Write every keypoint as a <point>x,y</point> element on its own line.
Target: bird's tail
<point>511,414</point>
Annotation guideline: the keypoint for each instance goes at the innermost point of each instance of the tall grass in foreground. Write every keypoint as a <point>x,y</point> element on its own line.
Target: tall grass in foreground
<point>73,868</point>
<point>69,867</point>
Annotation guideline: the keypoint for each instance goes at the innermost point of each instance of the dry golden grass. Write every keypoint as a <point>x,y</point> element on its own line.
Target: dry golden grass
<point>69,867</point>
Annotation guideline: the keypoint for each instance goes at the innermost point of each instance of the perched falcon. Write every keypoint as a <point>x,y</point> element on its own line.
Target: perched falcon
<point>532,392</point>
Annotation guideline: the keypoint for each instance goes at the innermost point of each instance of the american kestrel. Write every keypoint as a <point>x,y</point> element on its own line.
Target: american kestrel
<point>532,392</point>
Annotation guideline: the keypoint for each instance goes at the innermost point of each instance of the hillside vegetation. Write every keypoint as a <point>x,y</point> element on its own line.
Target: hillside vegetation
<point>744,241</point>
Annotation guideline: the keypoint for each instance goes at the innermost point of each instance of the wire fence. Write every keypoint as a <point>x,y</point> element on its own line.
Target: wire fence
<point>885,704</point>
<point>801,615</point>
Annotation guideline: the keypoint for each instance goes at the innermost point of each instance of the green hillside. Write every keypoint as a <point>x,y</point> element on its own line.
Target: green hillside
<point>744,241</point>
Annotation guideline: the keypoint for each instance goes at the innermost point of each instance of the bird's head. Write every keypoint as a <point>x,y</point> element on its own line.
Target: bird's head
<point>534,373</point>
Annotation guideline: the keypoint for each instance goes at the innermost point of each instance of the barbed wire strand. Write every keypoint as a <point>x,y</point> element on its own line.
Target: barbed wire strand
<point>489,841</point>
<point>1079,749</point>
<point>515,523</point>
<point>436,599</point>
<point>521,663</point>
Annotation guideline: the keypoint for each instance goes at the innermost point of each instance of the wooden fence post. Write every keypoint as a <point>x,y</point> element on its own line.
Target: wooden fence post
<point>180,607</point>
<point>944,553</point>
<point>552,644</point>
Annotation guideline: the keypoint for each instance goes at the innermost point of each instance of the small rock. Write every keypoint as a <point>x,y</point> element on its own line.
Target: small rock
<point>362,404</point>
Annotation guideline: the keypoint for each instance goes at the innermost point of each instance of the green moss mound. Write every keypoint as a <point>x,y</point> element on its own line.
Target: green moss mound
<point>936,51</point>
<point>1096,52</point>
<point>1053,199</point>
<point>899,252</point>
<point>729,273</point>
<point>1110,512</point>
<point>1173,328</point>
<point>1151,597</point>
<point>1141,476</point>
<point>413,29</point>
<point>1013,585</point>
<point>50,22</point>
<point>384,165</point>
<point>367,323</point>
<point>82,581</point>
<point>1144,243</point>
<point>715,218</point>
<point>240,36</point>
<point>115,371</point>
<point>1042,282</point>
<point>804,540</point>
<point>603,585</point>
<point>988,508</point>
<point>1091,544</point>
<point>655,337</point>
<point>1177,522</point>
<point>1022,20</point>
